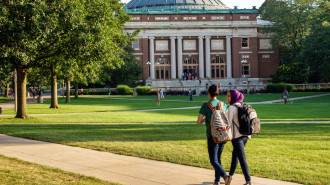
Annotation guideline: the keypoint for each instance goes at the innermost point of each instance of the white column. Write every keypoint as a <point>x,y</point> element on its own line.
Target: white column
<point>201,57</point>
<point>179,57</point>
<point>208,57</point>
<point>228,53</point>
<point>152,57</point>
<point>173,59</point>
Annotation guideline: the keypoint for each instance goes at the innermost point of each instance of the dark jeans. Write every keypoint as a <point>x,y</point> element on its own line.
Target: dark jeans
<point>239,155</point>
<point>215,151</point>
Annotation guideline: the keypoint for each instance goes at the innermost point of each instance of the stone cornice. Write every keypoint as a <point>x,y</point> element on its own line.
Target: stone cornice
<point>195,11</point>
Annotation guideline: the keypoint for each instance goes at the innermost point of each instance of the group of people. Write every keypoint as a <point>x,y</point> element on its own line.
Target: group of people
<point>35,92</point>
<point>234,98</point>
<point>189,76</point>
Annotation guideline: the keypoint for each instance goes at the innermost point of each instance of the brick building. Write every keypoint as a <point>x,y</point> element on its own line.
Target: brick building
<point>203,38</point>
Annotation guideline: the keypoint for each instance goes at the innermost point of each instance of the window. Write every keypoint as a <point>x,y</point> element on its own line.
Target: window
<point>162,69</point>
<point>217,67</point>
<point>217,60</point>
<point>245,42</point>
<point>246,17</point>
<point>190,60</point>
<point>245,70</point>
<point>136,44</point>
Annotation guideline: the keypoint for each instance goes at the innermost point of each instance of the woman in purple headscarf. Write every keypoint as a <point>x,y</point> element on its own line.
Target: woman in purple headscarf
<point>235,99</point>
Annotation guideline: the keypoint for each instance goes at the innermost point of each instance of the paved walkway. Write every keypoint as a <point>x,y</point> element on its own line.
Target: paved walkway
<point>11,105</point>
<point>112,167</point>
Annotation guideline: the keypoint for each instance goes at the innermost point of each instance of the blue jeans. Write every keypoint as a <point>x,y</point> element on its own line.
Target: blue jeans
<point>215,151</point>
<point>239,155</point>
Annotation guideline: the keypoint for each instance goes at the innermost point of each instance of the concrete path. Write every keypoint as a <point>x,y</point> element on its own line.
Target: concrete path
<point>11,105</point>
<point>112,167</point>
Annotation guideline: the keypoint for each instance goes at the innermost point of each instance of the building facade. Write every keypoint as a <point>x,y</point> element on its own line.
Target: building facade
<point>182,41</point>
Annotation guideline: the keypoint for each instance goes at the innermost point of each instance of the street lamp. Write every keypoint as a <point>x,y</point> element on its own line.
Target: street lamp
<point>148,63</point>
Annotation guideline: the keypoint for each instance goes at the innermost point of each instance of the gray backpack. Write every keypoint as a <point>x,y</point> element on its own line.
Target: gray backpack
<point>220,129</point>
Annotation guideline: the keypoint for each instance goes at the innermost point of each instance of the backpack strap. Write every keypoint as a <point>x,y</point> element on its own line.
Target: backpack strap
<point>209,104</point>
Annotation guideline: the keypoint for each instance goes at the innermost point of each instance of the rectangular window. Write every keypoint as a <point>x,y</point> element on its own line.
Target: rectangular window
<point>136,44</point>
<point>245,70</point>
<point>245,42</point>
<point>245,17</point>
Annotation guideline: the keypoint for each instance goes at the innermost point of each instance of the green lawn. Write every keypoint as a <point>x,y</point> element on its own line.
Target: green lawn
<point>14,171</point>
<point>323,99</point>
<point>5,100</point>
<point>99,110</point>
<point>291,152</point>
<point>247,98</point>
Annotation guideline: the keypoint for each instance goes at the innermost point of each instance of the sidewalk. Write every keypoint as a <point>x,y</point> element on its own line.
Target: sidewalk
<point>11,105</point>
<point>112,167</point>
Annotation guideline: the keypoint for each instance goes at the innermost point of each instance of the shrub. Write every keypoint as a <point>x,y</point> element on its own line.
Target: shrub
<point>143,90</point>
<point>278,88</point>
<point>124,90</point>
<point>323,89</point>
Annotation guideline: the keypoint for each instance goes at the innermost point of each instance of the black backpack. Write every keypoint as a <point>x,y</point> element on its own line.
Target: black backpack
<point>248,120</point>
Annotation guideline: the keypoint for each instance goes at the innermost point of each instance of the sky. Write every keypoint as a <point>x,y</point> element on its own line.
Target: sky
<point>231,3</point>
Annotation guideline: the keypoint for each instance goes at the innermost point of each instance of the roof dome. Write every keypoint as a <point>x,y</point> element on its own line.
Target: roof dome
<point>175,4</point>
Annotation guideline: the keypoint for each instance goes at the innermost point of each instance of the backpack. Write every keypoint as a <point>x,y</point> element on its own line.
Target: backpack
<point>248,120</point>
<point>220,130</point>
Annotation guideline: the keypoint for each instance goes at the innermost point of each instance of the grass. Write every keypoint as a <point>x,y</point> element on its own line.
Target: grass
<point>98,110</point>
<point>5,100</point>
<point>290,152</point>
<point>14,171</point>
<point>247,98</point>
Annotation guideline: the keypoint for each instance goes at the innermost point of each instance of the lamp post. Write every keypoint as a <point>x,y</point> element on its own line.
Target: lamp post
<point>148,63</point>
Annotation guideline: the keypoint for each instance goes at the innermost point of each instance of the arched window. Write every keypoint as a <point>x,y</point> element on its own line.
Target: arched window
<point>218,67</point>
<point>162,61</point>
<point>190,60</point>
<point>217,60</point>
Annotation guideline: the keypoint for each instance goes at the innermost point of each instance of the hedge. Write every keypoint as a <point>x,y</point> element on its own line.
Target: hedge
<point>124,90</point>
<point>143,90</point>
<point>323,89</point>
<point>278,88</point>
<point>85,92</point>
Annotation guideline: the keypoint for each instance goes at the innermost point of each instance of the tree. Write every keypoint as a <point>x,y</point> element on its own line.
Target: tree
<point>6,76</point>
<point>48,33</point>
<point>295,73</point>
<point>127,73</point>
<point>315,51</point>
<point>290,22</point>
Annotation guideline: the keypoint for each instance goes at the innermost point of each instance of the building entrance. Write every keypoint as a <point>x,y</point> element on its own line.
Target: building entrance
<point>218,67</point>
<point>162,69</point>
<point>190,68</point>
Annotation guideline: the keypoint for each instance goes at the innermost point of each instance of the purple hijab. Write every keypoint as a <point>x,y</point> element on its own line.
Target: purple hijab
<point>236,96</point>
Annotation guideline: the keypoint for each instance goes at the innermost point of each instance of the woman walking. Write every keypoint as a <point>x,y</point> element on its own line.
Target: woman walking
<point>214,149</point>
<point>235,99</point>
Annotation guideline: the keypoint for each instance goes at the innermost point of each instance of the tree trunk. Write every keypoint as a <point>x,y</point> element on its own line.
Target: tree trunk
<point>67,91</point>
<point>7,89</point>
<point>54,103</point>
<point>21,93</point>
<point>76,90</point>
